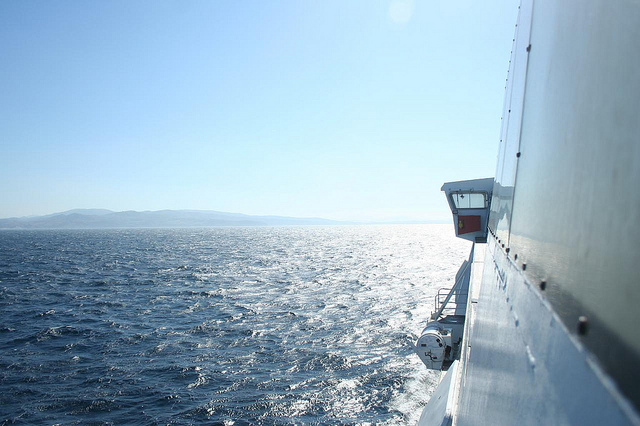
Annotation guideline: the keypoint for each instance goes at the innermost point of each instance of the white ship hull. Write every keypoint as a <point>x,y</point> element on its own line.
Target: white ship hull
<point>552,327</point>
<point>520,364</point>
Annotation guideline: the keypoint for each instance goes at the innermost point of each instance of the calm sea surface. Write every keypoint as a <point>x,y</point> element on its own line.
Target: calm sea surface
<point>303,325</point>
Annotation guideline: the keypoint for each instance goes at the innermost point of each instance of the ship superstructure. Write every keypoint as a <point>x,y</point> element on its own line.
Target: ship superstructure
<point>550,332</point>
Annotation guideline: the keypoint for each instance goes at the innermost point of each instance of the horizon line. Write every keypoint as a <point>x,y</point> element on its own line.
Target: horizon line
<point>381,221</point>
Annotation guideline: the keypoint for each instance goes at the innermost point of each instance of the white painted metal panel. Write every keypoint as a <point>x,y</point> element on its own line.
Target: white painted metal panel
<point>439,411</point>
<point>511,123</point>
<point>577,203</point>
<point>523,366</point>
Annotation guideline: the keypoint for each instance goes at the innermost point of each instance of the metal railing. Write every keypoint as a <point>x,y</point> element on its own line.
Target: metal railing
<point>441,304</point>
<point>444,303</point>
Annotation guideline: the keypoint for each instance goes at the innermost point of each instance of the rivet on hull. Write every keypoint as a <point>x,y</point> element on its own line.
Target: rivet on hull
<point>583,325</point>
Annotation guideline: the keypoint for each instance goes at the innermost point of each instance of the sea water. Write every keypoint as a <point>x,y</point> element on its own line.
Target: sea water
<point>247,325</point>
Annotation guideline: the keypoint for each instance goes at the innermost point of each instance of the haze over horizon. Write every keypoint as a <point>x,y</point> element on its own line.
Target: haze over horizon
<point>99,211</point>
<point>107,219</point>
<point>354,111</point>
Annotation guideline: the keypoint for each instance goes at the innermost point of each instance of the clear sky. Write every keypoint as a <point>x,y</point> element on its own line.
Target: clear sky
<point>351,110</point>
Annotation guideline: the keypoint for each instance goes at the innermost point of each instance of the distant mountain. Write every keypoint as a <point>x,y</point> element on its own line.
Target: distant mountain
<point>88,212</point>
<point>101,218</point>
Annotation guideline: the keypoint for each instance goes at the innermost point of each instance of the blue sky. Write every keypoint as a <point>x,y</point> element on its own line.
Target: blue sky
<point>352,110</point>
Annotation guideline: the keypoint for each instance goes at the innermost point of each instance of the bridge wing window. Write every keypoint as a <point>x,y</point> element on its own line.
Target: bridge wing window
<point>469,200</point>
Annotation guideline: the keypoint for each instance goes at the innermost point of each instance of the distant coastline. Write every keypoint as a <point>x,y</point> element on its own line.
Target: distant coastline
<point>107,219</point>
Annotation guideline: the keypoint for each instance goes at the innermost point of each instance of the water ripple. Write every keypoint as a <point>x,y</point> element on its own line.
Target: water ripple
<point>305,325</point>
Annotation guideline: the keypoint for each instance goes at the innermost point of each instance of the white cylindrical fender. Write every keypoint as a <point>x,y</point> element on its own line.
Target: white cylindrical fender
<point>431,346</point>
